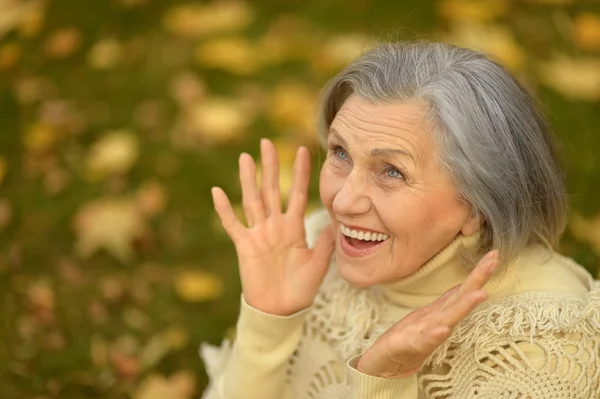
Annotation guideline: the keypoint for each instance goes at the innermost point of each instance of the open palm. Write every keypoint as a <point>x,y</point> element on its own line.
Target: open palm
<point>279,273</point>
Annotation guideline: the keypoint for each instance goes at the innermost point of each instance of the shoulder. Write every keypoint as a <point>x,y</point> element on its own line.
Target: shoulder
<point>539,269</point>
<point>536,341</point>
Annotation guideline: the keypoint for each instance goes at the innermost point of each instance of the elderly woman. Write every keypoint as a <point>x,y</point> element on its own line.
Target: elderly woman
<point>431,273</point>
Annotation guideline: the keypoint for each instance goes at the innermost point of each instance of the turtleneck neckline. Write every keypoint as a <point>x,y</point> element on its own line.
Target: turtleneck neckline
<point>435,277</point>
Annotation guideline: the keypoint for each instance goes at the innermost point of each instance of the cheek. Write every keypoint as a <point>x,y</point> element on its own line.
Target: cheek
<point>329,185</point>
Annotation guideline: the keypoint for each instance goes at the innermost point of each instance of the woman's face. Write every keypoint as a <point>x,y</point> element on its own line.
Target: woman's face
<point>381,177</point>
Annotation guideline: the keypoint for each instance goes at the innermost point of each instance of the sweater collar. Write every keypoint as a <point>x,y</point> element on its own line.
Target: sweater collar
<point>445,270</point>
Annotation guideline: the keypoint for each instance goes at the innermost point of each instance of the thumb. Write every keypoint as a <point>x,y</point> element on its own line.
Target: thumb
<point>324,247</point>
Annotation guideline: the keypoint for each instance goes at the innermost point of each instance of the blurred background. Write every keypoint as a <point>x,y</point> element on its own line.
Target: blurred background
<point>117,116</point>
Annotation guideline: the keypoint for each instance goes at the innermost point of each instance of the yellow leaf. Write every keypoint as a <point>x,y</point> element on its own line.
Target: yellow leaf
<point>33,20</point>
<point>176,337</point>
<point>194,20</point>
<point>493,39</point>
<point>233,54</point>
<point>110,224</point>
<point>219,119</point>
<point>10,53</point>
<point>472,10</point>
<point>340,50</point>
<point>63,43</point>
<point>198,286</point>
<point>116,152</point>
<point>105,54</point>
<point>41,294</point>
<point>181,385</point>
<point>576,78</point>
<point>40,138</point>
<point>587,31</point>
<point>292,106</point>
<point>151,198</point>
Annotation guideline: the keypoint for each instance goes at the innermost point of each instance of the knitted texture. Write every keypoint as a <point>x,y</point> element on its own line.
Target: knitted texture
<point>532,344</point>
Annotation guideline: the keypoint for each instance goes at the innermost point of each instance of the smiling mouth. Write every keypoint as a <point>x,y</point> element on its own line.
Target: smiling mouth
<point>356,243</point>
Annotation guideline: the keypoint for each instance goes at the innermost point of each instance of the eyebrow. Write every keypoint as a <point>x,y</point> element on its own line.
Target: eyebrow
<point>376,151</point>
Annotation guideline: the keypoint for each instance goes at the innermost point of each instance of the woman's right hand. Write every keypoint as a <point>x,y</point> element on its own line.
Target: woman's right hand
<point>280,275</point>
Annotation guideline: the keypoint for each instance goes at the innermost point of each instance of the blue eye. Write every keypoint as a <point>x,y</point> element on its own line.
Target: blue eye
<point>394,173</point>
<point>339,152</point>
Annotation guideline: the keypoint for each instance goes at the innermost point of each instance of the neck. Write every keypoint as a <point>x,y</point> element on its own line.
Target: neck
<point>445,270</point>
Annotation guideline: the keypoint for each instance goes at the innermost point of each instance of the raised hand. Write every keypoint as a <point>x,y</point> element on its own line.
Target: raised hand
<point>279,274</point>
<point>402,350</point>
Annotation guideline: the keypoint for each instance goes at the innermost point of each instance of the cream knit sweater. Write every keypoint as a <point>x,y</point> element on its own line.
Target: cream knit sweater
<point>537,336</point>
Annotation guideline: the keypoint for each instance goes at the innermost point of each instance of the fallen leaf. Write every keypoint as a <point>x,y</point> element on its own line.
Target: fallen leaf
<point>181,385</point>
<point>29,90</point>
<point>236,55</point>
<point>126,366</point>
<point>292,106</point>
<point>197,286</point>
<point>187,89</point>
<point>587,31</point>
<point>472,10</point>
<point>176,337</point>
<point>218,119</point>
<point>32,21</point>
<point>112,288</point>
<point>194,20</point>
<point>10,54</point>
<point>63,43</point>
<point>151,198</point>
<point>18,13</point>
<point>40,138</point>
<point>136,319</point>
<point>56,180</point>
<point>105,54</point>
<point>111,224</point>
<point>575,78</point>
<point>493,39</point>
<point>98,313</point>
<point>340,50</point>
<point>115,153</point>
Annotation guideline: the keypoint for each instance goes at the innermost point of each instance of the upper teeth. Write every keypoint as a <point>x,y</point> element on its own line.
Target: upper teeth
<point>361,235</point>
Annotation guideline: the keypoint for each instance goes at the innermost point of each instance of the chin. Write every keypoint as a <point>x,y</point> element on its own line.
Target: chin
<point>350,273</point>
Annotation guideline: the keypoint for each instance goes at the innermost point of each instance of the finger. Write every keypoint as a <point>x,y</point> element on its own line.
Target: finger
<point>463,307</point>
<point>269,184</point>
<point>229,220</point>
<point>442,301</point>
<point>480,274</point>
<point>251,200</point>
<point>298,196</point>
<point>476,279</point>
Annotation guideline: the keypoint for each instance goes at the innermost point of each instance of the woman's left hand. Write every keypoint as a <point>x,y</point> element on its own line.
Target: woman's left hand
<point>402,350</point>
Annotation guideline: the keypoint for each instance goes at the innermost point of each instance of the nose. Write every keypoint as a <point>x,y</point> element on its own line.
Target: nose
<point>353,197</point>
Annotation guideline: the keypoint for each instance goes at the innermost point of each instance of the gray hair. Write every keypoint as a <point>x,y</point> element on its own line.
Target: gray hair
<point>491,138</point>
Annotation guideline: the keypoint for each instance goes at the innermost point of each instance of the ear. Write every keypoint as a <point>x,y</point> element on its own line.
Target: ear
<point>472,224</point>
